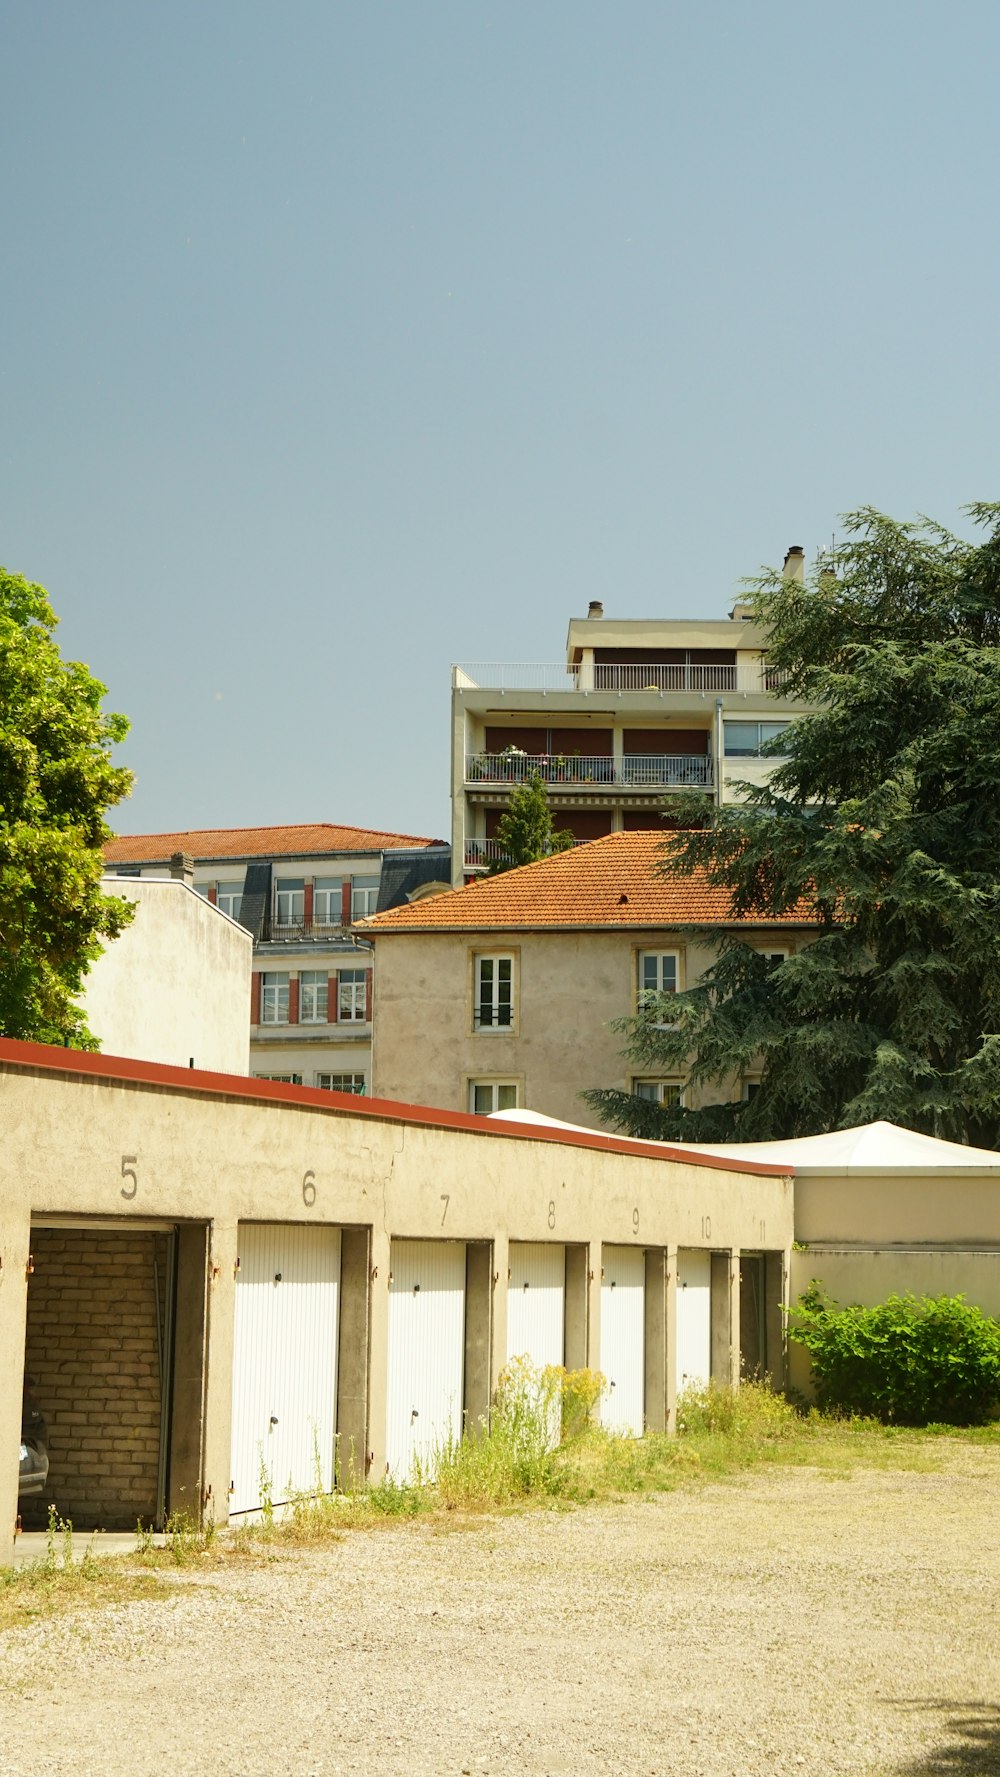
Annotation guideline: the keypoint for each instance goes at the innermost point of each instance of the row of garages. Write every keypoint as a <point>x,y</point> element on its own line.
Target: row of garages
<point>227,1289</point>
<point>284,1430</point>
<point>101,1352</point>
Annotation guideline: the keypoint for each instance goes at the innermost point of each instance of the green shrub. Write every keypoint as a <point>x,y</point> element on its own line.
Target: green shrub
<point>912,1360</point>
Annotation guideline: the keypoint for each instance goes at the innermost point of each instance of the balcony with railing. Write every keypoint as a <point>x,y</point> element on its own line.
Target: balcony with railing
<point>652,677</point>
<point>635,771</point>
<point>480,854</point>
<point>286,928</point>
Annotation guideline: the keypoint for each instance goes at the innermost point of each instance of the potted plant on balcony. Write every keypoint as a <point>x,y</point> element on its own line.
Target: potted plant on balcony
<point>512,762</point>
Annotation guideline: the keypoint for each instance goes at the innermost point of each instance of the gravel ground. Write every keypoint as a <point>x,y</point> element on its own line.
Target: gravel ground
<point>785,1622</point>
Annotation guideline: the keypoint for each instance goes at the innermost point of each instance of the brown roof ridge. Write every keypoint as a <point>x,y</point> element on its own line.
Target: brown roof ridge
<point>285,827</point>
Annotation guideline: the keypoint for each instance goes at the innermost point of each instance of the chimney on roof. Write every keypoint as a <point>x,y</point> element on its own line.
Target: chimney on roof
<point>595,610</point>
<point>795,563</point>
<point>182,867</point>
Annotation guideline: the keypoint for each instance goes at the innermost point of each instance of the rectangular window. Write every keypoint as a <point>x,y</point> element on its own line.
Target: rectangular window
<point>342,1083</point>
<point>128,870</point>
<point>486,1096</point>
<point>290,902</point>
<point>364,896</point>
<point>658,973</point>
<point>327,901</point>
<point>274,998</point>
<point>312,996</point>
<point>667,1092</point>
<point>743,740</point>
<point>775,958</point>
<point>750,1089</point>
<point>494,1004</point>
<point>202,888</point>
<point>351,995</point>
<point>283,1079</point>
<point>228,898</point>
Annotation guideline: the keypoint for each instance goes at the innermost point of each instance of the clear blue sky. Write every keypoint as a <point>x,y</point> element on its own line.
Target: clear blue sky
<point>341,341</point>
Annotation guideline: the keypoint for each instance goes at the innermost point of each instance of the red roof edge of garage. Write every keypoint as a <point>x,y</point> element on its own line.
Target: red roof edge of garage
<point>49,1058</point>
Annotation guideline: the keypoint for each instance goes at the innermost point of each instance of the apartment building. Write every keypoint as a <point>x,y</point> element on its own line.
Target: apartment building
<point>298,890</point>
<point>638,709</point>
<point>503,994</point>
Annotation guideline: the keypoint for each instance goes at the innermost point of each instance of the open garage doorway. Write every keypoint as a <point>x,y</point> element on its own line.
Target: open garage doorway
<point>100,1348</point>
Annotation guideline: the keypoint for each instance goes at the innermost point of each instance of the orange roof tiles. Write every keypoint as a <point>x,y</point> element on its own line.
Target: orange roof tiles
<point>207,843</point>
<point>607,882</point>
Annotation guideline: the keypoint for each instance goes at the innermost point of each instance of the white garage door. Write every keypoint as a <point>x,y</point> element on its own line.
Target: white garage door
<point>694,1319</point>
<point>284,1362</point>
<point>536,1297</point>
<point>426,1352</point>
<point>623,1342</point>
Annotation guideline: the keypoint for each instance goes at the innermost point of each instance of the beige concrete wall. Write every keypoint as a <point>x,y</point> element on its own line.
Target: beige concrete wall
<point>175,984</point>
<point>868,1274</point>
<point>82,1146</point>
<point>570,986</point>
<point>870,1236</point>
<point>933,1208</point>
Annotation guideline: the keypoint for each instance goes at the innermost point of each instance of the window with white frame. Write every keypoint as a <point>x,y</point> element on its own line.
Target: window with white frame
<point>228,896</point>
<point>486,1096</point>
<point>658,973</point>
<point>313,985</point>
<point>744,740</point>
<point>327,901</point>
<point>289,901</point>
<point>282,1079</point>
<point>342,1083</point>
<point>775,958</point>
<point>494,993</point>
<point>364,896</point>
<point>352,994</point>
<point>665,1092</point>
<point>750,1090</point>
<point>201,888</point>
<point>274,998</point>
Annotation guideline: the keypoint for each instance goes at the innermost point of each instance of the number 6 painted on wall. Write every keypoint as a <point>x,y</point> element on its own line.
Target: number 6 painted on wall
<point>309,1188</point>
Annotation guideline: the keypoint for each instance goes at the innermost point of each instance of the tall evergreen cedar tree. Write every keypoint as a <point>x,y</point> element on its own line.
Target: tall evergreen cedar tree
<point>56,780</point>
<point>882,816</point>
<point>524,830</point>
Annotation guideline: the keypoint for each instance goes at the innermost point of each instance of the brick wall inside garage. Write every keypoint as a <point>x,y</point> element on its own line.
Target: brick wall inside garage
<point>92,1353</point>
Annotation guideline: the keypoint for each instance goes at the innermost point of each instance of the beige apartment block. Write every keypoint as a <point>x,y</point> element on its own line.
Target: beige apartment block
<point>503,993</point>
<point>639,708</point>
<point>222,1284</point>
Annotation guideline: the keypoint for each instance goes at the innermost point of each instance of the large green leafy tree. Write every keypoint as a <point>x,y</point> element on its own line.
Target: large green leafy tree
<point>524,830</point>
<point>882,818</point>
<point>56,781</point>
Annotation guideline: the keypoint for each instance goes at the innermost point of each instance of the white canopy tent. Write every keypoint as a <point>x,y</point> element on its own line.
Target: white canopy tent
<point>881,1148</point>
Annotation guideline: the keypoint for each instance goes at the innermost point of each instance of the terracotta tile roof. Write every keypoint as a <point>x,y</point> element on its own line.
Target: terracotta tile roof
<point>607,882</point>
<point>207,843</point>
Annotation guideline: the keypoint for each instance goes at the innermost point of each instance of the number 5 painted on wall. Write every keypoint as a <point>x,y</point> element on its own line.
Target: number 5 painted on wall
<point>129,1164</point>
